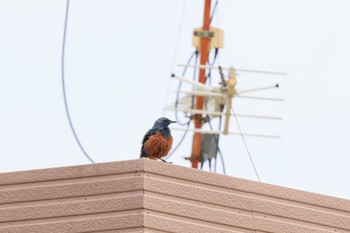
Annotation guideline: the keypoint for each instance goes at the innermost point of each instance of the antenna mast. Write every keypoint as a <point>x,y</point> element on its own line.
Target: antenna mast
<point>204,35</point>
<point>204,39</point>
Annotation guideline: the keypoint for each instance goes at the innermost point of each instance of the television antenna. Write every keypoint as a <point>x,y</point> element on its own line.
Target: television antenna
<point>204,103</point>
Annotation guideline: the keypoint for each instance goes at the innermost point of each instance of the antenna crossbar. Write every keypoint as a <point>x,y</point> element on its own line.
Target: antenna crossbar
<point>238,70</point>
<point>258,89</point>
<point>202,131</point>
<point>215,94</point>
<point>216,113</point>
<point>202,93</point>
<point>197,84</point>
<point>259,98</point>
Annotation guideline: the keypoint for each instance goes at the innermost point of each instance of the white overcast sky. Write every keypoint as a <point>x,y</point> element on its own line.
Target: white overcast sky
<point>120,54</point>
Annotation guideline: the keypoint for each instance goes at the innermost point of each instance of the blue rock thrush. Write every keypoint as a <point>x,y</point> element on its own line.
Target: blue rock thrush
<point>157,142</point>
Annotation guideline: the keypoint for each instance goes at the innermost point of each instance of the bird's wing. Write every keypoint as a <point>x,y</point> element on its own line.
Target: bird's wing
<point>143,152</point>
<point>149,134</point>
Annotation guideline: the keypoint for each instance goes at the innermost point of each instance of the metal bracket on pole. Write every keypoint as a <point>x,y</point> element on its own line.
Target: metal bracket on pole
<point>204,33</point>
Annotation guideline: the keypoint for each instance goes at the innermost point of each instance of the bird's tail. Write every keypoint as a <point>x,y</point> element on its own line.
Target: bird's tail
<point>143,156</point>
<point>143,153</point>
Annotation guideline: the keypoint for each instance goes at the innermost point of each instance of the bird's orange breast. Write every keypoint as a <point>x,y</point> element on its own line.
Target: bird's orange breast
<point>158,146</point>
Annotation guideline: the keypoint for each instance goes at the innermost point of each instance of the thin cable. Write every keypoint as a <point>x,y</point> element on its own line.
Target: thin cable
<point>214,10</point>
<point>217,23</point>
<point>245,144</point>
<point>64,86</point>
<point>176,48</point>
<point>208,76</point>
<point>176,103</point>
<point>177,99</point>
<point>179,30</point>
<point>194,79</point>
<point>217,143</point>
<point>180,83</point>
<point>180,142</point>
<point>220,119</point>
<point>218,148</point>
<point>195,53</point>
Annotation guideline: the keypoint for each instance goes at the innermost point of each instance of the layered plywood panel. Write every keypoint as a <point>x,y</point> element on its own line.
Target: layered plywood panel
<point>149,196</point>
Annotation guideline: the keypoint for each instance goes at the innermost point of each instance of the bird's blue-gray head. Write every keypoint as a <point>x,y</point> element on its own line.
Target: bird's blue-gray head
<point>162,123</point>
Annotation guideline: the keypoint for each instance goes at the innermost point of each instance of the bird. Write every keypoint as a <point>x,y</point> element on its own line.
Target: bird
<point>158,141</point>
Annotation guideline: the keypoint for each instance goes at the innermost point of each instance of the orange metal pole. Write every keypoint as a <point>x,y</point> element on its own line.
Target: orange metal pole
<point>204,51</point>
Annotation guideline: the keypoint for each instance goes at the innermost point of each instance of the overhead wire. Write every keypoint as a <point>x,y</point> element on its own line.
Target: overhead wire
<point>219,150</point>
<point>208,77</point>
<point>217,137</point>
<point>245,144</point>
<point>179,30</point>
<point>64,86</point>
<point>216,56</point>
<point>195,53</point>
<point>176,47</point>
<point>179,143</point>
<point>176,102</point>
<point>214,10</point>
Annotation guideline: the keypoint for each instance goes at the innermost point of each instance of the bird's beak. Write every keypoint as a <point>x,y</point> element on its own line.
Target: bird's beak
<point>173,122</point>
